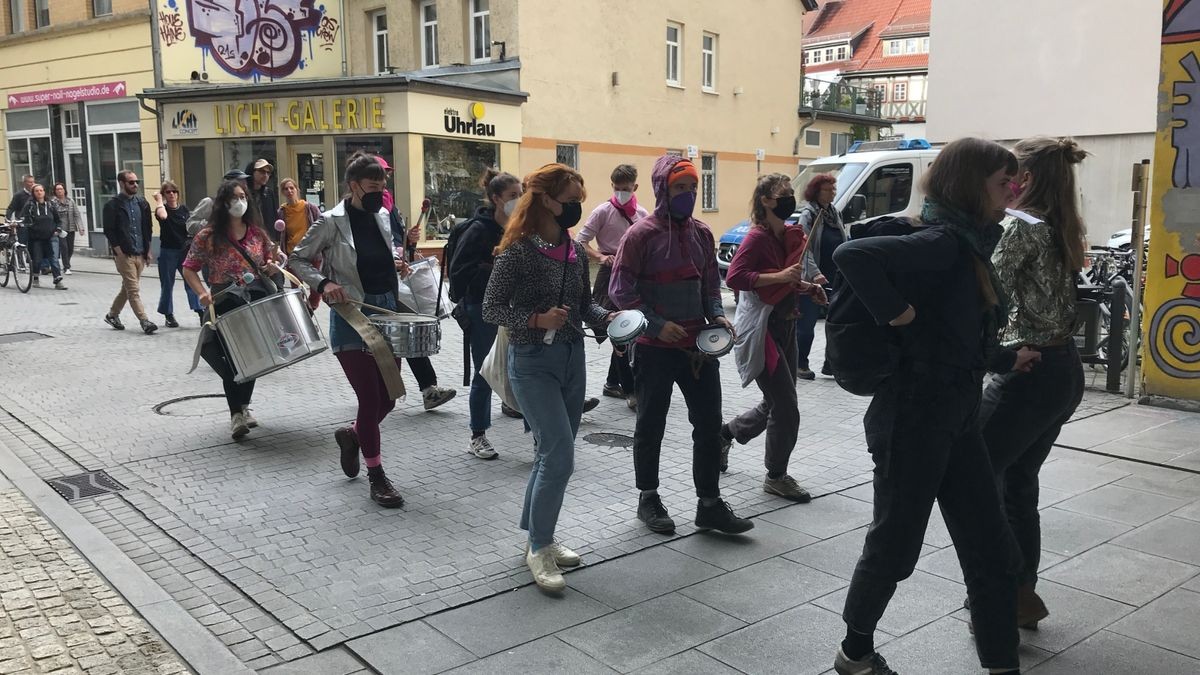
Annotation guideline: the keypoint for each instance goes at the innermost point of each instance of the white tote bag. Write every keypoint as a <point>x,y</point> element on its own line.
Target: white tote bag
<point>495,369</point>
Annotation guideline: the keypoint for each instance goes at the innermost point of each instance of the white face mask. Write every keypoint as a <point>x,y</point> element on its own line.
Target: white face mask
<point>623,197</point>
<point>237,208</point>
<point>510,206</point>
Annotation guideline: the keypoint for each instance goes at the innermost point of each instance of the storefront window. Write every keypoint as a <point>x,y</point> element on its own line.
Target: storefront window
<point>345,146</point>
<point>452,171</point>
<point>241,155</point>
<point>30,156</point>
<point>110,154</point>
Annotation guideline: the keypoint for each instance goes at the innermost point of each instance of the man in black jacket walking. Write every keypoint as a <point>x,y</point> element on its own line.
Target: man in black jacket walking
<point>127,227</point>
<point>263,196</point>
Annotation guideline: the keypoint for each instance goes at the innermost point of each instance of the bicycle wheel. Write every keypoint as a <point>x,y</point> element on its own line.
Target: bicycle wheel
<point>5,258</point>
<point>22,268</point>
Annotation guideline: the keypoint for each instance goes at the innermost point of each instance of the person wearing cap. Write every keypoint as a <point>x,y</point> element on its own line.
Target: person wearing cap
<point>666,267</point>
<point>262,195</point>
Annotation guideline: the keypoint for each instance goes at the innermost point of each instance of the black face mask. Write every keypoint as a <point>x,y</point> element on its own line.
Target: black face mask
<point>571,213</point>
<point>372,201</point>
<point>784,207</point>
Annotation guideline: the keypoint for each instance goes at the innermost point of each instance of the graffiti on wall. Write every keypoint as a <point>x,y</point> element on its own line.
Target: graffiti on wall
<point>1173,276</point>
<point>248,39</point>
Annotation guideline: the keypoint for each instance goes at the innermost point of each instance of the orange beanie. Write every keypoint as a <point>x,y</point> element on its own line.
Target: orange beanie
<point>681,169</point>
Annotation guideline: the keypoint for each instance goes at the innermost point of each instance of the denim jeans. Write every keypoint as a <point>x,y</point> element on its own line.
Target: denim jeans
<point>806,328</point>
<point>170,263</point>
<point>1022,415</point>
<point>482,335</point>
<point>42,250</point>
<point>549,383</point>
<point>656,371</point>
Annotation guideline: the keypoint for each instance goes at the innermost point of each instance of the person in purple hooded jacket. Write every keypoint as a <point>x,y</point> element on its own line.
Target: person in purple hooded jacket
<point>666,267</point>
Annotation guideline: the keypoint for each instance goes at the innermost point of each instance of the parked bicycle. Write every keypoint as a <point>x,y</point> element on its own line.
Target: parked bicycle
<point>1106,265</point>
<point>14,258</point>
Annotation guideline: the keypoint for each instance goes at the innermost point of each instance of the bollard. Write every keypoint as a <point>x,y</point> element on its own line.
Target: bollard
<point>1116,333</point>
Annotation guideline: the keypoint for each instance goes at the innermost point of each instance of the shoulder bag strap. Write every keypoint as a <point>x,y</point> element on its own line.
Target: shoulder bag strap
<point>270,283</point>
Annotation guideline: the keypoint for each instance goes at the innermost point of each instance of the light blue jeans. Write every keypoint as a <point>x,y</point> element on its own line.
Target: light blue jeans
<point>549,382</point>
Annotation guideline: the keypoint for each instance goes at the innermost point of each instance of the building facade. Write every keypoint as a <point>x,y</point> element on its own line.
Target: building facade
<point>880,47</point>
<point>1026,76</point>
<point>620,82</point>
<point>70,71</point>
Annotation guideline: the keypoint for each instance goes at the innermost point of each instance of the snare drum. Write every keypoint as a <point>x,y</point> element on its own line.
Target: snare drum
<point>626,327</point>
<point>409,335</point>
<point>714,340</point>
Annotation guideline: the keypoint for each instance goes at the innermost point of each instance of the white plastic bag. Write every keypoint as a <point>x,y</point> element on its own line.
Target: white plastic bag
<point>495,369</point>
<point>422,283</point>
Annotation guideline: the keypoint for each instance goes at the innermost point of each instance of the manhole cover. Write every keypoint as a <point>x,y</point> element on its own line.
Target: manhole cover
<point>85,485</point>
<point>193,406</point>
<point>611,440</point>
<point>25,336</point>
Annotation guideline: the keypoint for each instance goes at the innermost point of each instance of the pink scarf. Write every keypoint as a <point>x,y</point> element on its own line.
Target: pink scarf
<point>629,209</point>
<point>559,252</point>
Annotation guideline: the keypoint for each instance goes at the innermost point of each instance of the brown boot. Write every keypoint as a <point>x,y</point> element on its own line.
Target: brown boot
<point>1030,608</point>
<point>382,490</point>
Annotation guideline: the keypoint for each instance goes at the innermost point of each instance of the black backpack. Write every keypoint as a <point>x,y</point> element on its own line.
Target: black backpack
<point>448,251</point>
<point>862,353</point>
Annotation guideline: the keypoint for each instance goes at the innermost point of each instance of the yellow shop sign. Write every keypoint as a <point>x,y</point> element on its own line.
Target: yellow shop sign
<point>326,114</point>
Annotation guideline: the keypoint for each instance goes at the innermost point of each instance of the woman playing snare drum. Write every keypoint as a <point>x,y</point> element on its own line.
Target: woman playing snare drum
<point>354,241</point>
<point>769,271</point>
<point>230,226</point>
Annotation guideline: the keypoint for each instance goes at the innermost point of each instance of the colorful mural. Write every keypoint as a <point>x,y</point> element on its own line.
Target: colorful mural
<point>249,40</point>
<point>1172,300</point>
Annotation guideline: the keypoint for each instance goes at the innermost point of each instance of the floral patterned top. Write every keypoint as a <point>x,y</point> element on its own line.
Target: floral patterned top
<point>225,264</point>
<point>1040,288</point>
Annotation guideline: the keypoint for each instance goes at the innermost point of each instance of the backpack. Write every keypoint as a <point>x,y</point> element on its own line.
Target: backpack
<point>454,292</point>
<point>862,353</point>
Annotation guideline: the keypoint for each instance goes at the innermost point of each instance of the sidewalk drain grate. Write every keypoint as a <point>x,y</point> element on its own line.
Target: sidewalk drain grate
<point>84,485</point>
<point>198,405</point>
<point>24,336</point>
<point>611,440</point>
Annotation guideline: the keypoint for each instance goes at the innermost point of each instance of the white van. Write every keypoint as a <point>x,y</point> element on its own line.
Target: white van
<point>875,178</point>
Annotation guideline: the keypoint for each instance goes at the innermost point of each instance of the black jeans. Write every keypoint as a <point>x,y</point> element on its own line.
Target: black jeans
<point>422,369</point>
<point>923,432</point>
<point>656,370</point>
<point>66,249</point>
<point>778,413</point>
<point>1022,415</point>
<point>216,355</point>
<point>619,372</point>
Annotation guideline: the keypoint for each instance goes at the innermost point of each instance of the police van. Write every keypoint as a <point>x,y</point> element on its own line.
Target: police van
<point>874,178</point>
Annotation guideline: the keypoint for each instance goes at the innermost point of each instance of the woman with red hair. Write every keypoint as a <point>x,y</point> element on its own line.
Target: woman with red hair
<point>823,225</point>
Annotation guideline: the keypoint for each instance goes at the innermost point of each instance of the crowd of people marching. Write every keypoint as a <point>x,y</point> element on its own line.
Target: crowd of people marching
<point>981,281</point>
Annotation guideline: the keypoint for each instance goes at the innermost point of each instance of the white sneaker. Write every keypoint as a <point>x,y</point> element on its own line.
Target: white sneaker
<point>564,556</point>
<point>482,448</point>
<point>67,271</point>
<point>250,421</point>
<point>237,425</point>
<point>545,571</point>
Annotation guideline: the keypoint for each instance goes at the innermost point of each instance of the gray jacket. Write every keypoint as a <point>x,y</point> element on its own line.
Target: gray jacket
<point>811,215</point>
<point>331,241</point>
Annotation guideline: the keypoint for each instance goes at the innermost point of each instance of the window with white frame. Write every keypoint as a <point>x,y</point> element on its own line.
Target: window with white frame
<point>674,40</point>
<point>842,53</point>
<point>708,181</point>
<point>806,58</point>
<point>42,13</point>
<point>429,33</point>
<point>840,143</point>
<point>16,16</point>
<point>924,45</point>
<point>829,54</point>
<point>101,7</point>
<point>880,92</point>
<point>816,56</point>
<point>708,62</point>
<point>379,27</point>
<point>812,138</point>
<point>70,123</point>
<point>568,154</point>
<point>900,92</point>
<point>481,31</point>
<point>674,153</point>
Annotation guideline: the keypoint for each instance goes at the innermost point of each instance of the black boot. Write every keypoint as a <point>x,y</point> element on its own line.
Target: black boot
<point>652,512</point>
<point>721,518</point>
<point>382,490</point>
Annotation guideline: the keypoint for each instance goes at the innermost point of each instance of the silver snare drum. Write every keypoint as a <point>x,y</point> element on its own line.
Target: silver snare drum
<point>715,340</point>
<point>270,333</point>
<point>626,327</point>
<point>409,335</point>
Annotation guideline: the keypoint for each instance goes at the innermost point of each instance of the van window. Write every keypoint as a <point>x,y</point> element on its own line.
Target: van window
<point>844,173</point>
<point>888,189</point>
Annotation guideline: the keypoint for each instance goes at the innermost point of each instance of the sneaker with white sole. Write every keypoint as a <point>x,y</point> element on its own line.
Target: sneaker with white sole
<point>546,573</point>
<point>871,664</point>
<point>67,271</point>
<point>433,396</point>
<point>564,556</point>
<point>250,421</point>
<point>482,448</point>
<point>238,426</point>
<point>786,487</point>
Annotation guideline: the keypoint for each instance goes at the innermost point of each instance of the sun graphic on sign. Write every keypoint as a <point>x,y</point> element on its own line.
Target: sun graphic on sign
<point>476,110</point>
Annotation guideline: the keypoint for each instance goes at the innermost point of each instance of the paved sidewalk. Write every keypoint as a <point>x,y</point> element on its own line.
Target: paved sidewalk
<point>58,615</point>
<point>273,552</point>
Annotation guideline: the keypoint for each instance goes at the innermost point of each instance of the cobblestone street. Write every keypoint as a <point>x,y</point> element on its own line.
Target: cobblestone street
<point>265,544</point>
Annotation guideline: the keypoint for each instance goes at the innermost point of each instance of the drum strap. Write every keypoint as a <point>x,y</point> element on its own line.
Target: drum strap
<point>375,344</point>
